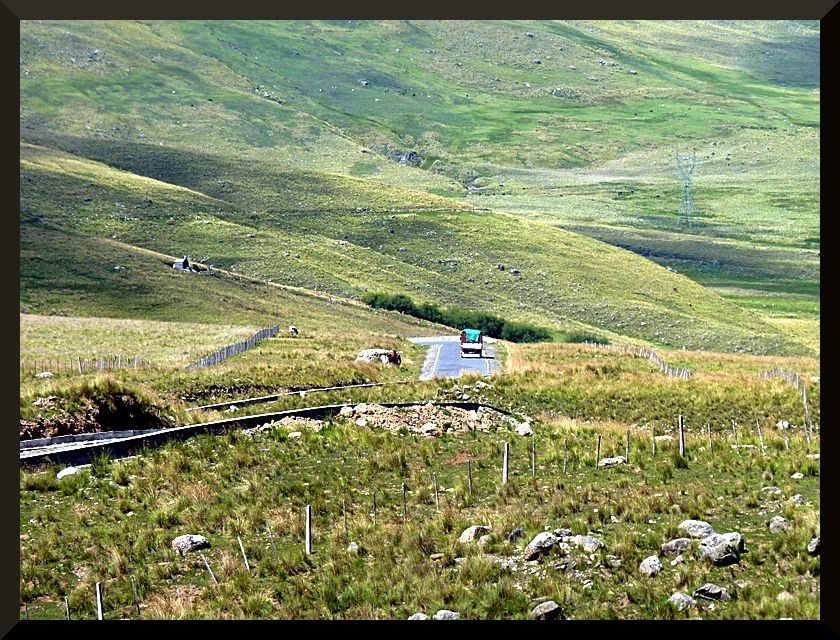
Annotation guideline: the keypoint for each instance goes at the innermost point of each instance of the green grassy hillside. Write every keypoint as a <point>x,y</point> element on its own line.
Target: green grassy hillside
<point>564,280</point>
<point>285,140</point>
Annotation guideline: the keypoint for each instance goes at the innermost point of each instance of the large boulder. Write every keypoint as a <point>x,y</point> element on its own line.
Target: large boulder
<point>446,614</point>
<point>711,591</point>
<point>471,533</point>
<point>696,528</point>
<point>722,551</point>
<point>541,544</point>
<point>682,601</point>
<point>548,610</point>
<point>190,542</point>
<point>675,547</point>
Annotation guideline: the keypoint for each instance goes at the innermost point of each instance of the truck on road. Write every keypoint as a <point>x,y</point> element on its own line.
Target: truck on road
<point>472,343</point>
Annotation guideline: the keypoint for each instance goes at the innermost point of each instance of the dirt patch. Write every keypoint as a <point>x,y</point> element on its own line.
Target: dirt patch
<point>90,415</point>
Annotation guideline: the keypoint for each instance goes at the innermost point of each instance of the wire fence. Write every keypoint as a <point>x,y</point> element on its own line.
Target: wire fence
<point>795,380</point>
<point>233,349</point>
<point>641,352</point>
<point>82,365</point>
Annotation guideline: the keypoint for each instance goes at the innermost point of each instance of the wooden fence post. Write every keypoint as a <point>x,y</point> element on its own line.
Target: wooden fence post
<point>344,513</point>
<point>66,608</point>
<point>308,541</point>
<point>403,503</point>
<point>374,509</point>
<point>627,448</point>
<point>760,436</point>
<point>99,613</point>
<point>653,439</point>
<point>534,459</point>
<point>565,454</point>
<point>735,435</point>
<point>682,437</point>
<point>244,557</point>
<point>271,538</point>
<point>209,570</point>
<point>505,463</point>
<point>598,452</point>
<point>437,504</point>
<point>709,429</point>
<point>134,591</point>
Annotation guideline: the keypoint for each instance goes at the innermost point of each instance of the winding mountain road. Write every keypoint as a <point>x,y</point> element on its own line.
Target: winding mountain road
<point>444,358</point>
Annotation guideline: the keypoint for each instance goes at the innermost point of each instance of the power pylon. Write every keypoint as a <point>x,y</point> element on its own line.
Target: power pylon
<point>685,165</point>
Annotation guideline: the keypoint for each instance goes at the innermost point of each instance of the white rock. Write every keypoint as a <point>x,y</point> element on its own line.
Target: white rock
<point>650,566</point>
<point>346,411</point>
<point>678,560</point>
<point>360,408</point>
<point>523,429</point>
<point>418,616</point>
<point>361,422</point>
<point>44,374</point>
<point>189,542</point>
<point>682,601</point>
<point>778,524</point>
<point>295,434</point>
<point>471,533</point>
<point>798,500</point>
<point>696,528</point>
<point>353,548</point>
<point>67,471</point>
<point>445,614</point>
<point>797,476</point>
<point>608,462</point>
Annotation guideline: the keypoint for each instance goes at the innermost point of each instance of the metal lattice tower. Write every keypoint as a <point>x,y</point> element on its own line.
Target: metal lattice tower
<point>686,165</point>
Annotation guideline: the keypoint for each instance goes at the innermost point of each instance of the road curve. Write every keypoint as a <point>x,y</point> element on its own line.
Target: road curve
<point>444,358</point>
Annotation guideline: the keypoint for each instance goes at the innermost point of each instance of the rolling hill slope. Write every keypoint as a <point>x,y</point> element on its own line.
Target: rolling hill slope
<point>280,150</point>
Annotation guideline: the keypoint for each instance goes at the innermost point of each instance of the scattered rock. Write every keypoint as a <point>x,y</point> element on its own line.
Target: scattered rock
<point>662,438</point>
<point>613,561</point>
<point>608,462</point>
<point>436,556</point>
<point>798,500</point>
<point>563,533</point>
<point>773,490</point>
<point>675,547</point>
<point>783,424</point>
<point>590,544</point>
<point>353,548</point>
<point>361,422</point>
<point>566,563</point>
<point>522,429</point>
<point>784,595</point>
<point>547,611</point>
<point>67,471</point>
<point>696,528</point>
<point>722,551</point>
<point>650,566</point>
<point>485,539</point>
<point>360,408</point>
<point>418,616</point>
<point>446,614</point>
<point>813,456</point>
<point>682,601</point>
<point>44,374</point>
<point>540,545</point>
<point>528,34</point>
<point>678,560</point>
<point>295,434</point>
<point>797,476</point>
<point>429,429</point>
<point>517,533</point>
<point>814,546</point>
<point>190,542</point>
<point>470,533</point>
<point>778,524</point>
<point>711,591</point>
<point>346,411</point>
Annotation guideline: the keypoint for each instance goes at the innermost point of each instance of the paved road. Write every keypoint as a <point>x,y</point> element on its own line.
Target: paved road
<point>444,358</point>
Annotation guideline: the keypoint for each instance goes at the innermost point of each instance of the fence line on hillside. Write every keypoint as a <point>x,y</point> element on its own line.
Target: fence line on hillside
<point>233,349</point>
<point>795,380</point>
<point>642,352</point>
<point>83,365</point>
